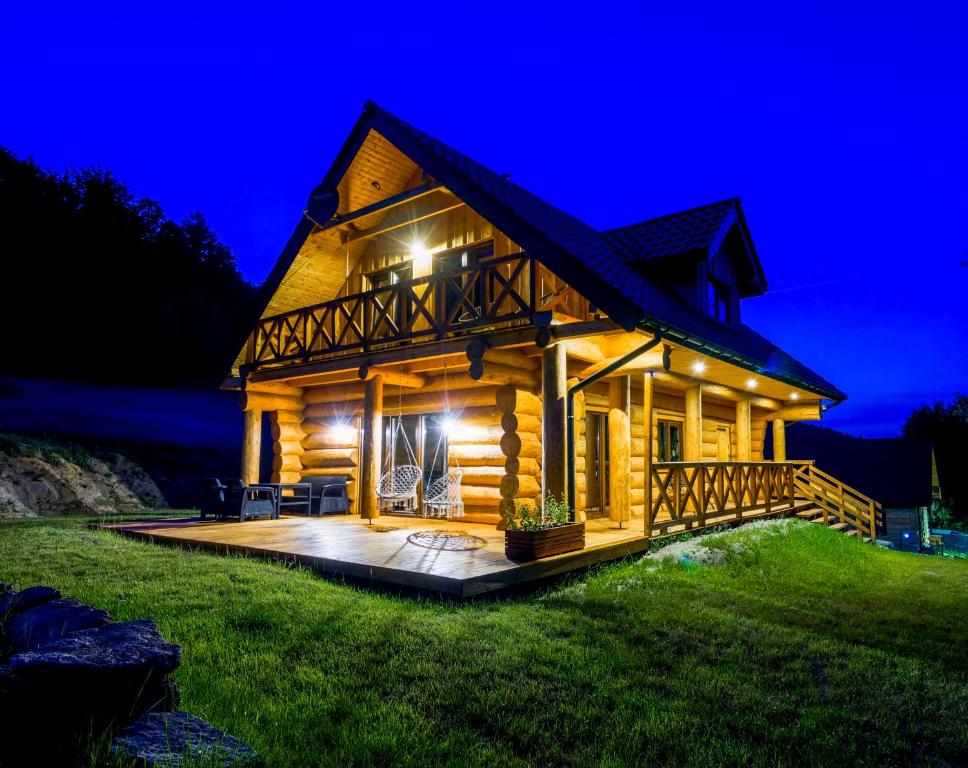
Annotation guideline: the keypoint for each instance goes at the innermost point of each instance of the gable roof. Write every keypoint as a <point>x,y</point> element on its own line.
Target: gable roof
<point>579,254</point>
<point>700,230</point>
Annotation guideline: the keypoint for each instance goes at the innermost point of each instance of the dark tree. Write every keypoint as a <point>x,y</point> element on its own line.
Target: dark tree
<point>947,429</point>
<point>102,286</point>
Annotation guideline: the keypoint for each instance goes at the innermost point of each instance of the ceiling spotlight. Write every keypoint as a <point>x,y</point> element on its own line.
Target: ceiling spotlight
<point>699,367</point>
<point>751,383</point>
<point>794,395</point>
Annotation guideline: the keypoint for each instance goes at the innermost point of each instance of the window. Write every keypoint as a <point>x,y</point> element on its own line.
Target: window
<point>717,300</point>
<point>385,278</point>
<point>452,262</point>
<point>670,440</point>
<point>421,435</point>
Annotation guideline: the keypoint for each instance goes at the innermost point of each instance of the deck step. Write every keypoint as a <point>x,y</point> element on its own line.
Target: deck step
<point>838,526</point>
<point>809,514</point>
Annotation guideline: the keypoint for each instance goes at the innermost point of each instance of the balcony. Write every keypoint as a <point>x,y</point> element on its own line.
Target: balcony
<point>497,293</point>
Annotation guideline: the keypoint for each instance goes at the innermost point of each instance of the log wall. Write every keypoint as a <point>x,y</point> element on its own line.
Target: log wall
<point>497,443</point>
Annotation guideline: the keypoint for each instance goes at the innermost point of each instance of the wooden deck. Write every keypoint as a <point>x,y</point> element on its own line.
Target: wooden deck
<point>398,552</point>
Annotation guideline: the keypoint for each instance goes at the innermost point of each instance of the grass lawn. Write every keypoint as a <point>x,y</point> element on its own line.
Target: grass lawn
<point>806,648</point>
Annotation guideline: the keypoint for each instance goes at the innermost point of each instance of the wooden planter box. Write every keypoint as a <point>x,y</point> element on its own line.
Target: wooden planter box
<point>531,545</point>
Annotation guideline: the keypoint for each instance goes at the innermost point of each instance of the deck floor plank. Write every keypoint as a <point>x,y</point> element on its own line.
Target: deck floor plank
<point>347,545</point>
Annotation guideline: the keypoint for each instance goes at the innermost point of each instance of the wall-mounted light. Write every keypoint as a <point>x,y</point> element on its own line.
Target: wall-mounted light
<point>666,357</point>
<point>451,426</point>
<point>342,433</point>
<point>699,367</point>
<point>421,257</point>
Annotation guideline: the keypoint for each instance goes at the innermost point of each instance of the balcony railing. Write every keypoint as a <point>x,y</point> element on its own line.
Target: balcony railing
<point>497,292</point>
<point>687,493</point>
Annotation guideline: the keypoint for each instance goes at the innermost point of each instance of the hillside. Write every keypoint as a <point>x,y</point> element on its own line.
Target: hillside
<point>42,478</point>
<point>798,648</point>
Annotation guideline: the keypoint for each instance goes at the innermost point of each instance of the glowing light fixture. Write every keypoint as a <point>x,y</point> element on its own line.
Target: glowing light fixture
<point>421,256</point>
<point>449,424</point>
<point>794,395</point>
<point>455,430</point>
<point>751,383</point>
<point>342,433</point>
<point>699,367</point>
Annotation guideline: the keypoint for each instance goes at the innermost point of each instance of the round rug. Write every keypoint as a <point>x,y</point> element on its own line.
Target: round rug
<point>452,541</point>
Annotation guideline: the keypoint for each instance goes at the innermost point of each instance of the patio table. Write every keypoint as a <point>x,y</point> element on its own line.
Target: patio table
<point>295,499</point>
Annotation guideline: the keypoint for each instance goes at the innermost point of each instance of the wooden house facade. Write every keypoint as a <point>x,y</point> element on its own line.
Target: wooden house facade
<point>428,310</point>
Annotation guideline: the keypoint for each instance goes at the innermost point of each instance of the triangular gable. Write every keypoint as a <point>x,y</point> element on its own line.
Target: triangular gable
<point>702,230</point>
<point>564,244</point>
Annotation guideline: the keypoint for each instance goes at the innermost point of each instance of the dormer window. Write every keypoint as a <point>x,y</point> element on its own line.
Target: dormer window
<point>718,300</point>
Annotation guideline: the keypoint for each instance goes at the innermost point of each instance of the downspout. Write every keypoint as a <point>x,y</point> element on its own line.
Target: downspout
<point>570,408</point>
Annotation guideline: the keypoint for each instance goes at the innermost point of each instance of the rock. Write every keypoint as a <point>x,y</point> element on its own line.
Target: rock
<point>111,674</point>
<point>42,624</point>
<point>130,645</point>
<point>169,738</point>
<point>11,602</point>
<point>40,478</point>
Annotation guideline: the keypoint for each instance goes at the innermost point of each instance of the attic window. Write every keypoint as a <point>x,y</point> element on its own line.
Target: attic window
<point>718,300</point>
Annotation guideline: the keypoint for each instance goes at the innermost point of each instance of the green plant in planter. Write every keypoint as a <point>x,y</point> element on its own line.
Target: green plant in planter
<point>526,517</point>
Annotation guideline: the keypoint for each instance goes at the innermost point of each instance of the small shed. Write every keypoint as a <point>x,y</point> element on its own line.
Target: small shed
<point>897,472</point>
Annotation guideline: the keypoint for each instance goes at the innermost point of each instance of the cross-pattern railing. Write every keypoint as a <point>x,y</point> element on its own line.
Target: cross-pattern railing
<point>839,502</point>
<point>495,292</point>
<point>691,494</point>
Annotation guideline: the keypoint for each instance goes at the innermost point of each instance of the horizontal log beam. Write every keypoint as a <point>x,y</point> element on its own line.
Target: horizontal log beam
<point>261,401</point>
<point>391,377</point>
<point>802,412</point>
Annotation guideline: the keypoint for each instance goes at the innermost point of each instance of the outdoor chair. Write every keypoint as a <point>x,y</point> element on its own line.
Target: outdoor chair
<point>236,498</point>
<point>442,498</point>
<point>397,490</point>
<point>329,494</point>
<point>212,498</point>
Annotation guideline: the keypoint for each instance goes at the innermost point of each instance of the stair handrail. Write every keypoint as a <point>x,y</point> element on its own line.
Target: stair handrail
<point>836,497</point>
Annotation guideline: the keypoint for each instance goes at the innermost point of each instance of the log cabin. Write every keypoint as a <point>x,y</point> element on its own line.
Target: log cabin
<point>426,297</point>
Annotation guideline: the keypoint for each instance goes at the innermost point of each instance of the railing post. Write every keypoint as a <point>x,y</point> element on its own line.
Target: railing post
<point>532,277</point>
<point>768,488</point>
<point>440,304</point>
<point>873,519</point>
<point>702,493</point>
<point>676,481</point>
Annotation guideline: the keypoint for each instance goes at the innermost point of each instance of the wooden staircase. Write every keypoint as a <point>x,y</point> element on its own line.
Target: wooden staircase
<point>836,505</point>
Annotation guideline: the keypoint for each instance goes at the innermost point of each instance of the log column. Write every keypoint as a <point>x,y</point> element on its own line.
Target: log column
<point>521,450</point>
<point>372,432</point>
<point>647,396</point>
<point>553,437</point>
<point>744,441</point>
<point>581,454</point>
<point>692,439</point>
<point>619,449</point>
<point>251,446</point>
<point>779,440</point>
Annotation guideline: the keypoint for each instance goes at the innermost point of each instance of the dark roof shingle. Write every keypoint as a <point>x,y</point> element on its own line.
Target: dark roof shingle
<point>697,229</point>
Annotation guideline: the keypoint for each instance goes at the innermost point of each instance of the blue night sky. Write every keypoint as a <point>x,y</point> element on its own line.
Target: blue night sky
<point>843,130</point>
